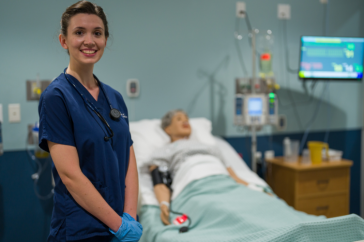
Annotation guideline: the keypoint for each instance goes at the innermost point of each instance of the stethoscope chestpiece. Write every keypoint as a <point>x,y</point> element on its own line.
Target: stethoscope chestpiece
<point>115,114</point>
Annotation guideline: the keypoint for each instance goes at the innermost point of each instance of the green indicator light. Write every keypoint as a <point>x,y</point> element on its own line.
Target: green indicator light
<point>271,95</point>
<point>271,101</point>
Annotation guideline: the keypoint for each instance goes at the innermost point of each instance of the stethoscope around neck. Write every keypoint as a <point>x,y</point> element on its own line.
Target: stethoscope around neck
<point>114,113</point>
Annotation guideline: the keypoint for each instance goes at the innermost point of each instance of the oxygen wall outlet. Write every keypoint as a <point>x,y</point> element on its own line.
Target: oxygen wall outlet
<point>240,9</point>
<point>284,11</point>
<point>132,88</point>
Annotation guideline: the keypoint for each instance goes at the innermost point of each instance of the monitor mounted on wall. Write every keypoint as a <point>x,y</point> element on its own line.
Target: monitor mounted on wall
<point>331,58</point>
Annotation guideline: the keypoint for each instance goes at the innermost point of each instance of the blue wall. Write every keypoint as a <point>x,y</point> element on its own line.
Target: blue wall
<point>184,54</point>
<point>23,217</point>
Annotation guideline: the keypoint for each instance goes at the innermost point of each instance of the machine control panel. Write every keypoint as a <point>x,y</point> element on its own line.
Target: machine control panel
<point>239,104</point>
<point>256,109</point>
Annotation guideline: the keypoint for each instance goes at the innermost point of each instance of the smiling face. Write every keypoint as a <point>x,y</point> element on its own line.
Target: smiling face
<point>179,128</point>
<point>85,39</point>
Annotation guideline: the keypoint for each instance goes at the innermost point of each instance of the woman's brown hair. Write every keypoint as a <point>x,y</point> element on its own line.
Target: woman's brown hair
<point>83,7</point>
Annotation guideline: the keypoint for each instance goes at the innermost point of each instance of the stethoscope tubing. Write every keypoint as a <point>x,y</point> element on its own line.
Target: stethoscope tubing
<point>92,107</point>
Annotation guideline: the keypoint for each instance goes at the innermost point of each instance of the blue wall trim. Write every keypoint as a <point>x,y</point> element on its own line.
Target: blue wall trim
<point>24,217</point>
<point>349,141</point>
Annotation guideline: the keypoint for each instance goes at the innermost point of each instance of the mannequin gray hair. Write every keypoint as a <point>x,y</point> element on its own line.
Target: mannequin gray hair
<point>167,118</point>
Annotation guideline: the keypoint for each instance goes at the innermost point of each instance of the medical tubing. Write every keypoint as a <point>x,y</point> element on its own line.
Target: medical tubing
<point>326,30</point>
<point>307,131</point>
<point>248,22</point>
<point>289,69</point>
<point>241,60</point>
<point>37,175</point>
<point>46,197</point>
<point>326,18</point>
<point>105,122</point>
<point>326,139</point>
<point>102,88</point>
<point>250,30</point>
<point>90,105</point>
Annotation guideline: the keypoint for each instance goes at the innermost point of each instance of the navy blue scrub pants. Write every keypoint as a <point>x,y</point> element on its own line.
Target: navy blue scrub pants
<point>62,237</point>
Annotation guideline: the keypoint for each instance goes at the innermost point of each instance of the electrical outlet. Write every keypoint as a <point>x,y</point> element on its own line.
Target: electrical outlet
<point>240,9</point>
<point>14,113</point>
<point>284,11</point>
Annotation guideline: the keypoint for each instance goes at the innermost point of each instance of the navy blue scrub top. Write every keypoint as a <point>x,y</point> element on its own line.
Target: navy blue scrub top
<point>66,119</point>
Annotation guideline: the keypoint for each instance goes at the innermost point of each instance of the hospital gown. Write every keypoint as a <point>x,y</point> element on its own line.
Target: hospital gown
<point>176,153</point>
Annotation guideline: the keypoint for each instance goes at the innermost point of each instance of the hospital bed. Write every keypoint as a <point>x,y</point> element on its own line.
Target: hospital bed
<point>219,208</point>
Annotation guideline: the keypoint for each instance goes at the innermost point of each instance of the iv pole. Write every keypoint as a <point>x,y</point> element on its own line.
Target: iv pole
<point>253,128</point>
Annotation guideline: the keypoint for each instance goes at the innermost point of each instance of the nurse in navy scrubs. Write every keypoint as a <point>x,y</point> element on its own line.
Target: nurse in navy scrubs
<point>84,125</point>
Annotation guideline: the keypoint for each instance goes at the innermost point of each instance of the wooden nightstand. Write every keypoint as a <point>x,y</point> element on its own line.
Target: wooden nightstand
<point>314,189</point>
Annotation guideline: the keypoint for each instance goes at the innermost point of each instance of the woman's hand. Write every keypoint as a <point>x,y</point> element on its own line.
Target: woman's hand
<point>165,214</point>
<point>129,231</point>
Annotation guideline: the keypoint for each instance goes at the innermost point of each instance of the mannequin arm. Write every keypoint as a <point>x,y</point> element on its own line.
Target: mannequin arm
<point>235,177</point>
<point>241,181</point>
<point>163,194</point>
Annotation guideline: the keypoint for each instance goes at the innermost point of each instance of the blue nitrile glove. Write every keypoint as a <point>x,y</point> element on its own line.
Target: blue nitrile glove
<point>129,231</point>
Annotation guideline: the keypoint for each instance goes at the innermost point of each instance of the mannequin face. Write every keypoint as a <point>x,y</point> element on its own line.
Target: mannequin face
<point>179,128</point>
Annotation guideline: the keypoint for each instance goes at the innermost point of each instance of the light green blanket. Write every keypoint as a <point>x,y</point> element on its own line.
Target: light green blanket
<point>222,210</point>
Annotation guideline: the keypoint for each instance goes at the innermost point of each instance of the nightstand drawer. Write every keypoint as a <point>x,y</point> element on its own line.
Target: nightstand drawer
<point>330,206</point>
<point>321,181</point>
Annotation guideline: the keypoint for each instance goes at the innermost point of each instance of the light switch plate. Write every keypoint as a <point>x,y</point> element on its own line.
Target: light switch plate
<point>14,113</point>
<point>284,11</point>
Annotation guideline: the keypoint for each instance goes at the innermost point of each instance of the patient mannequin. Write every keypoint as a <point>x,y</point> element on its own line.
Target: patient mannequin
<point>176,125</point>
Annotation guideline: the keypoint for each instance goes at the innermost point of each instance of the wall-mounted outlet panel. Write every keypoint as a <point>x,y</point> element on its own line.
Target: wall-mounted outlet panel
<point>240,9</point>
<point>35,89</point>
<point>14,113</point>
<point>133,88</point>
<point>284,11</point>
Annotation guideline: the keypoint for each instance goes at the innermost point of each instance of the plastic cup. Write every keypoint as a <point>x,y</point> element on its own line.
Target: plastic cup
<point>291,152</point>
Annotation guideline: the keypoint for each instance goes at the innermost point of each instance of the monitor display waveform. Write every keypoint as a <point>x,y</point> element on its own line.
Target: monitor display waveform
<point>331,58</point>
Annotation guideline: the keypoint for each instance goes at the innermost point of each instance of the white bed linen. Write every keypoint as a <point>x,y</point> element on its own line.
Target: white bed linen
<point>197,167</point>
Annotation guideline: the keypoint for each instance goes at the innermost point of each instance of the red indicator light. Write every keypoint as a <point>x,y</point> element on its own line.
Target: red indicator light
<point>265,56</point>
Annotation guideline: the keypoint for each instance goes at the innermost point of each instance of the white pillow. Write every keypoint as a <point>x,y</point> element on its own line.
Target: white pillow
<point>148,136</point>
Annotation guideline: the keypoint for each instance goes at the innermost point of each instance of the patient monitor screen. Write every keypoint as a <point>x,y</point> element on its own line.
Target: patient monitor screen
<point>331,58</point>
<point>255,106</point>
